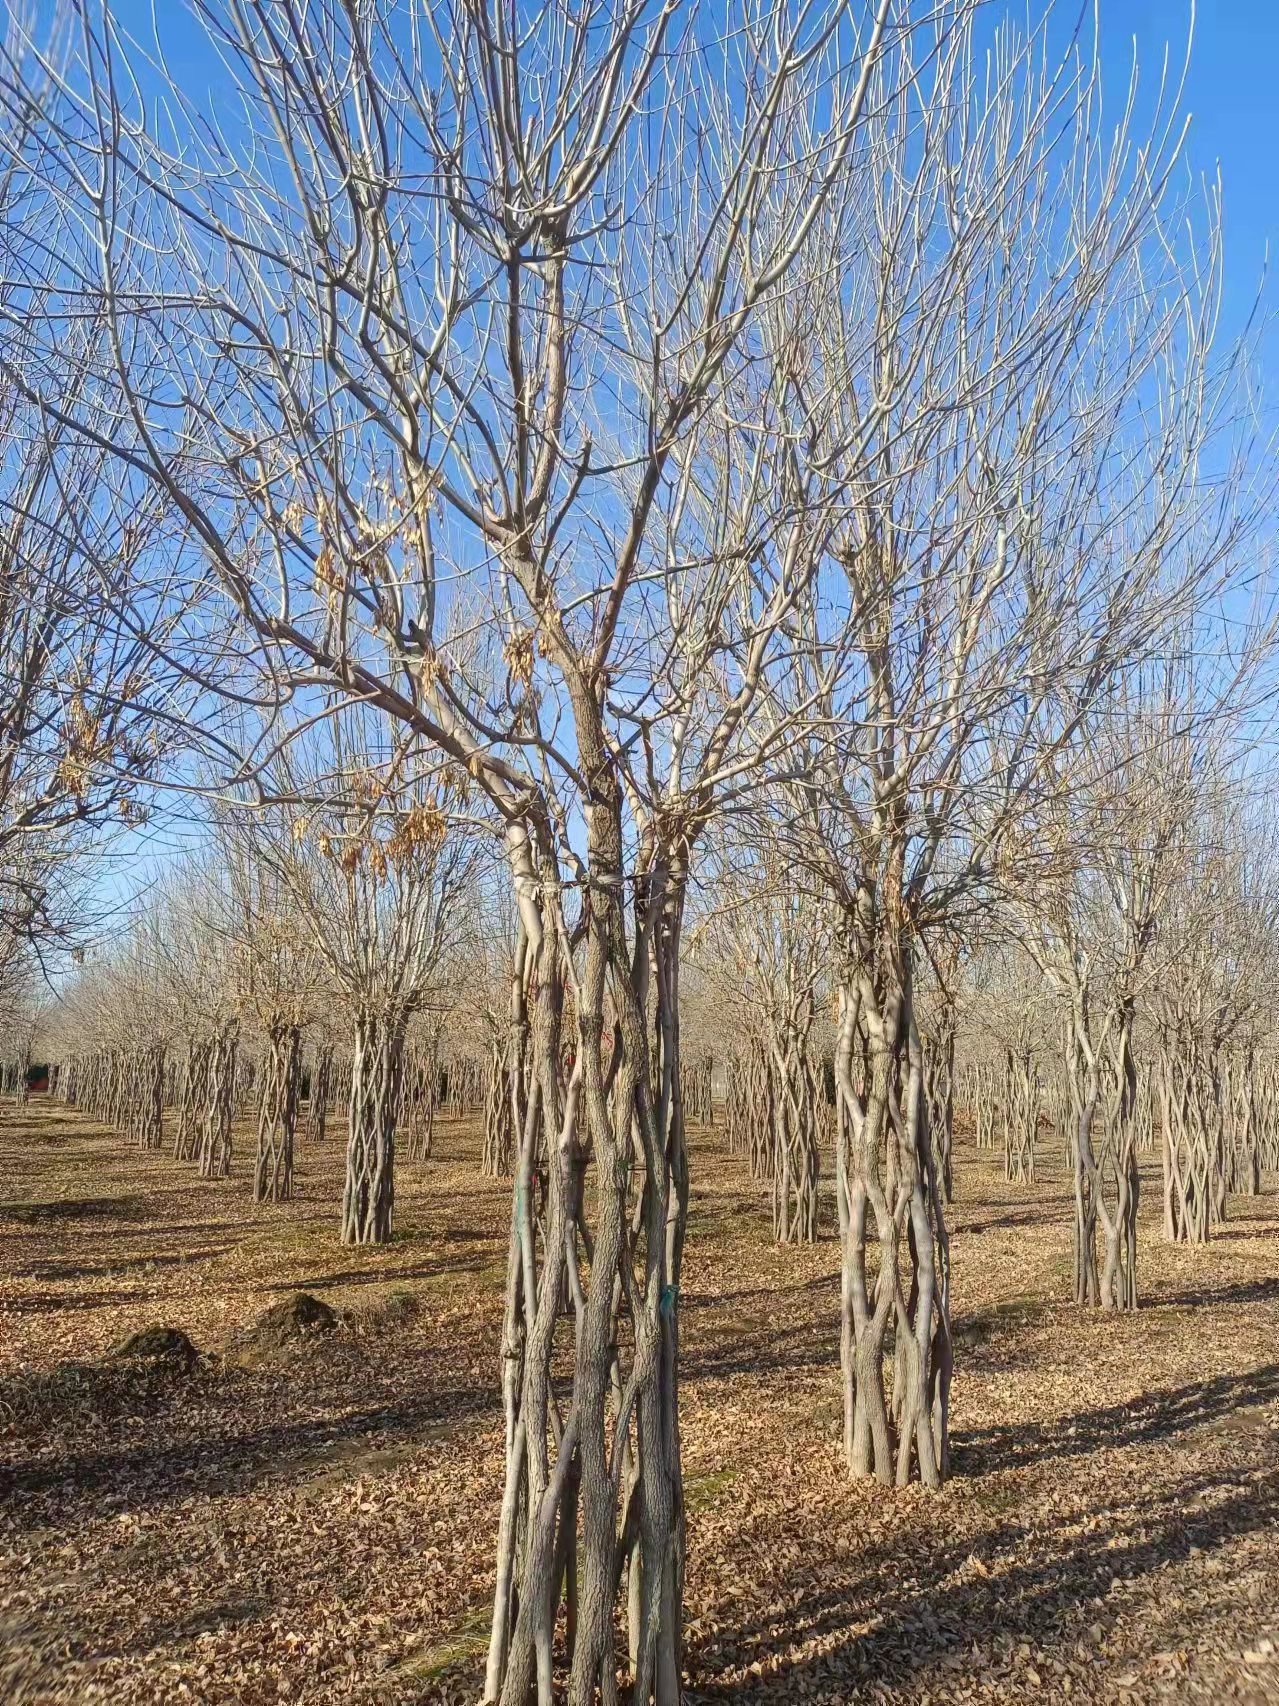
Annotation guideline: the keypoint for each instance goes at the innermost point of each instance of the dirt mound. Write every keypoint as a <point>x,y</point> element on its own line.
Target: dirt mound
<point>292,1318</point>
<point>158,1344</point>
<point>141,1375</point>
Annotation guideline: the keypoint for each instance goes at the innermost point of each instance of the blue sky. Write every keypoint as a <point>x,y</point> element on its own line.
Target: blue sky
<point>1233,95</point>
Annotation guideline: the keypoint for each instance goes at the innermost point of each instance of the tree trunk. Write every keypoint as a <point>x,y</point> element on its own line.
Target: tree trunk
<point>150,1098</point>
<point>1021,1116</point>
<point>887,1173</point>
<point>758,1095</point>
<point>1106,1177</point>
<point>1193,1142</point>
<point>695,1090</point>
<point>219,1106</point>
<point>317,1112</point>
<point>593,1492</point>
<point>796,1157</point>
<point>278,1113</point>
<point>984,1106</point>
<point>504,1101</point>
<point>21,1079</point>
<point>368,1198</point>
<point>193,1098</point>
<point>939,1086</point>
<point>736,1114</point>
<point>420,1077</point>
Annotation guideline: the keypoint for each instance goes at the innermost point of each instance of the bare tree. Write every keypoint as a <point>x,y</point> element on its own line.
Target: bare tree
<point>278,975</point>
<point>1113,845</point>
<point>1014,536</point>
<point>84,724</point>
<point>191,947</point>
<point>520,376</point>
<point>507,297</point>
<point>364,876</point>
<point>769,941</point>
<point>1208,1006</point>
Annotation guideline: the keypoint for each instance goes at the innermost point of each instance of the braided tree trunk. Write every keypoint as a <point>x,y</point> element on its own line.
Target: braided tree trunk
<point>368,1197</point>
<point>278,1113</point>
<point>1143,1112</point>
<point>462,1086</point>
<point>796,1157</point>
<point>1266,1083</point>
<point>148,1098</point>
<point>593,1495</point>
<point>1021,1116</point>
<point>503,1109</point>
<point>317,1111</point>
<point>695,1089</point>
<point>118,1090</point>
<point>735,1114</point>
<point>985,1105</point>
<point>1243,1140</point>
<point>939,1088</point>
<point>1193,1142</point>
<point>1102,1081</point>
<point>21,1085</point>
<point>888,1184</point>
<point>247,1075</point>
<point>193,1098</point>
<point>757,1098</point>
<point>421,1076</point>
<point>219,1105</point>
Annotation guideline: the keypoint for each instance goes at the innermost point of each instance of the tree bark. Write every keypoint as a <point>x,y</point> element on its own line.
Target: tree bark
<point>219,1105</point>
<point>796,1157</point>
<point>504,1101</point>
<point>192,1100</point>
<point>1102,1078</point>
<point>887,1173</point>
<point>317,1112</point>
<point>368,1198</point>
<point>278,1113</point>
<point>593,1493</point>
<point>939,1086</point>
<point>150,1097</point>
<point>1021,1116</point>
<point>419,1081</point>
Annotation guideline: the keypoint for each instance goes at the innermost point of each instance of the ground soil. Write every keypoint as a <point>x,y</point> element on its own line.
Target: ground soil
<point>317,1525</point>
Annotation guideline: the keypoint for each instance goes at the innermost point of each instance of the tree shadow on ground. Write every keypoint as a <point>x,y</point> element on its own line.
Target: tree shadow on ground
<point>768,1296</point>
<point>71,1302</point>
<point>218,1459</point>
<point>777,1350</point>
<point>1029,1216</point>
<point>879,1623</point>
<point>1245,1291</point>
<point>46,1645</point>
<point>381,1275</point>
<point>1158,1415</point>
<point>110,1267</point>
<point>78,1208</point>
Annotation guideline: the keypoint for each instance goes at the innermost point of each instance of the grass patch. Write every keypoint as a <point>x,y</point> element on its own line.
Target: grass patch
<point>396,1307</point>
<point>465,1642</point>
<point>702,1492</point>
<point>983,1324</point>
<point>999,1497</point>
